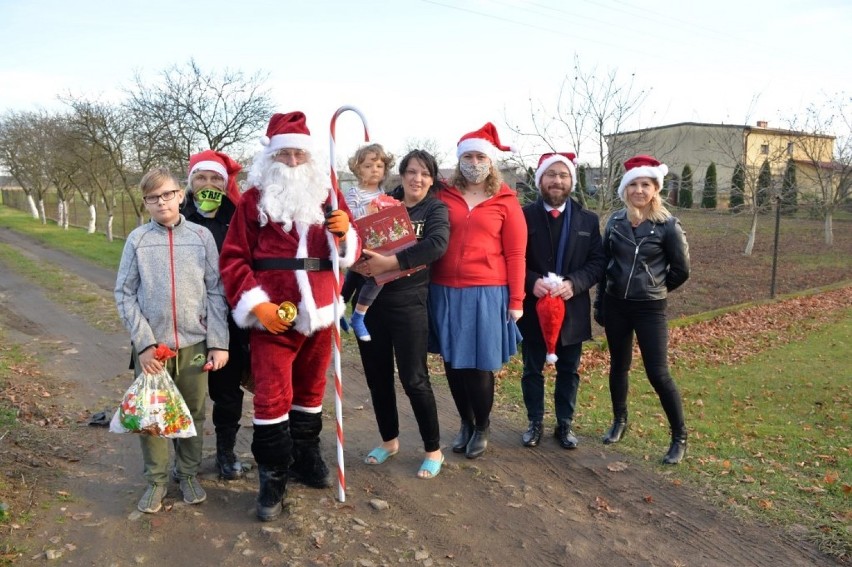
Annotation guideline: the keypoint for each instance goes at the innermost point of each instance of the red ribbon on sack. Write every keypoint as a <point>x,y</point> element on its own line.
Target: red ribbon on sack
<point>163,353</point>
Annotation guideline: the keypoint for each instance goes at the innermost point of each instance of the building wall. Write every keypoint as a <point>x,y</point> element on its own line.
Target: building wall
<point>700,144</point>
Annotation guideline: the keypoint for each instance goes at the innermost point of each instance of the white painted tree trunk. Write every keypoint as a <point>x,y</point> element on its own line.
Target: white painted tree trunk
<point>33,208</point>
<point>110,218</point>
<point>829,230</point>
<point>93,219</point>
<point>62,214</point>
<point>752,234</point>
<point>41,211</point>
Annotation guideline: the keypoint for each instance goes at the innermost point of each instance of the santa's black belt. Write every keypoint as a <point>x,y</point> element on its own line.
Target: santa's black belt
<point>307,264</point>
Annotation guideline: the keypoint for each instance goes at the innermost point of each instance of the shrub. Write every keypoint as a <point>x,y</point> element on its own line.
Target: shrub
<point>737,198</point>
<point>685,193</point>
<point>708,197</point>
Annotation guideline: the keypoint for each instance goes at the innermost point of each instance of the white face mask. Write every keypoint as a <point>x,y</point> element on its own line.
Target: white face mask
<point>475,172</point>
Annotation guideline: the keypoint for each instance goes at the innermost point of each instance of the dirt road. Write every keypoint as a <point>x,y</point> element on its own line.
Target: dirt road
<point>514,506</point>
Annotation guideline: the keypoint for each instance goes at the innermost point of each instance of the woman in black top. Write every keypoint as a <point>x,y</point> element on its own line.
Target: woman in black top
<point>398,320</point>
<point>647,257</point>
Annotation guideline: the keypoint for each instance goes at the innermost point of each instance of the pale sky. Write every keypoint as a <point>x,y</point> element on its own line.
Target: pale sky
<point>427,69</point>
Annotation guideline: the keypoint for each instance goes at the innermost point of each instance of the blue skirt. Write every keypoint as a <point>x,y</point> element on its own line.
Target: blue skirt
<point>470,327</point>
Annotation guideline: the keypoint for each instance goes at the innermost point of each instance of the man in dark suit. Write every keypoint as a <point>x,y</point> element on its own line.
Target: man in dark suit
<point>563,239</point>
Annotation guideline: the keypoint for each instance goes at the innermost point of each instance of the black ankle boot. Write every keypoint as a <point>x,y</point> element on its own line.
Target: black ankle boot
<point>477,444</point>
<point>677,451</point>
<point>565,435</point>
<point>616,432</point>
<point>230,468</point>
<point>273,486</point>
<point>532,436</point>
<point>463,438</point>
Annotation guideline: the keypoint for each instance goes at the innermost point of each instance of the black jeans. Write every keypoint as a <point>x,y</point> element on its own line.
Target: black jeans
<point>224,384</point>
<point>567,380</point>
<point>648,320</point>
<point>398,325</point>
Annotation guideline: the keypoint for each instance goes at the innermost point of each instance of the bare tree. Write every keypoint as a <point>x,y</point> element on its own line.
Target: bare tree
<point>590,107</point>
<point>24,142</point>
<point>430,145</point>
<point>828,171</point>
<point>108,135</point>
<point>186,110</point>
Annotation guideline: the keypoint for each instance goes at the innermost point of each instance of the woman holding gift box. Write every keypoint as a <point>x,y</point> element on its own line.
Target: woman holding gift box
<point>399,321</point>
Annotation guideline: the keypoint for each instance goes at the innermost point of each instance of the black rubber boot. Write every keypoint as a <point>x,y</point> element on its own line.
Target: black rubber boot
<point>308,467</point>
<point>677,450</point>
<point>532,436</point>
<point>616,431</point>
<point>273,486</point>
<point>463,437</point>
<point>271,447</point>
<point>230,468</point>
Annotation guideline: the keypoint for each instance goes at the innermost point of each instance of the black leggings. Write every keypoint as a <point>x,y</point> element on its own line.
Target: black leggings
<point>398,326</point>
<point>648,320</point>
<point>473,393</point>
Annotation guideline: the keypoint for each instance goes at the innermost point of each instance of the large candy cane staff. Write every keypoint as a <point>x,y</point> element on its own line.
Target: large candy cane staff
<point>338,379</point>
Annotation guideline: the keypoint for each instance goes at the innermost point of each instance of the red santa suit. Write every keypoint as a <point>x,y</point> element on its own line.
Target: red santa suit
<point>289,368</point>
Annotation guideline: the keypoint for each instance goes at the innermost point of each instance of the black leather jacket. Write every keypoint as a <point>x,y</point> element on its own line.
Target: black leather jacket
<point>644,263</point>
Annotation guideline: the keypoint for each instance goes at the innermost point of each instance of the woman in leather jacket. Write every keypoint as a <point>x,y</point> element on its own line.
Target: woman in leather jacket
<point>647,257</point>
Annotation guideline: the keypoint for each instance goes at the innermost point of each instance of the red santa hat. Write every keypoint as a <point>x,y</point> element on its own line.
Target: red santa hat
<point>642,166</point>
<point>287,131</point>
<point>546,160</point>
<point>484,140</point>
<point>221,163</point>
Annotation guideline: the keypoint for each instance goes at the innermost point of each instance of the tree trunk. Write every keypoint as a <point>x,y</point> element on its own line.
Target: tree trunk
<point>93,218</point>
<point>110,218</point>
<point>829,230</point>
<point>33,208</point>
<point>60,212</point>
<point>63,207</point>
<point>752,234</point>
<point>41,212</point>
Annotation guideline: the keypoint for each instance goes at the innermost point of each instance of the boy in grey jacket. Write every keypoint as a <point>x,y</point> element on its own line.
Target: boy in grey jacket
<point>168,292</point>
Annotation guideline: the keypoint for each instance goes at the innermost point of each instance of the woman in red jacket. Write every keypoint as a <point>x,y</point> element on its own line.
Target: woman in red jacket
<point>477,288</point>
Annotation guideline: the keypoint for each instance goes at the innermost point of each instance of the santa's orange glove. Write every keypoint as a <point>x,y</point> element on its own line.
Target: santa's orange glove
<point>267,314</point>
<point>337,223</point>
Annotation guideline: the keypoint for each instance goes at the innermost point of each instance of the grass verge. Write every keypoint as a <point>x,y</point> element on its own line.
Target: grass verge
<point>15,486</point>
<point>88,301</point>
<point>93,247</point>
<point>770,435</point>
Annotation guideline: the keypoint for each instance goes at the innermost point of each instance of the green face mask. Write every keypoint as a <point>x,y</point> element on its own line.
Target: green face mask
<point>208,199</point>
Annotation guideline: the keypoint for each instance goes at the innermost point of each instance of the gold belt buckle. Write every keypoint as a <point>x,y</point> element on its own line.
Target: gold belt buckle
<point>287,312</point>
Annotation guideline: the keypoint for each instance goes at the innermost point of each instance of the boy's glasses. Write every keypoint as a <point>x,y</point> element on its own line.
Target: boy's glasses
<point>165,196</point>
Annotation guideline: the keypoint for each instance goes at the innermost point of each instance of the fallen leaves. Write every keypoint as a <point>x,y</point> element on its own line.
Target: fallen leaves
<point>732,337</point>
<point>617,466</point>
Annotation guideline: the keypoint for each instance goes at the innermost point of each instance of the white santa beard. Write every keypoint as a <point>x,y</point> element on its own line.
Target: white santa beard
<point>292,194</point>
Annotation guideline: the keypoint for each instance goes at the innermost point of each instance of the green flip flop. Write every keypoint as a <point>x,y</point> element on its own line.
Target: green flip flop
<point>380,455</point>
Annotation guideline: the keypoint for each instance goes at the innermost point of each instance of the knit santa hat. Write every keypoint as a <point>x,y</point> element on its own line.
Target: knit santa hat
<point>546,160</point>
<point>484,140</point>
<point>642,166</point>
<point>221,163</point>
<point>287,131</point>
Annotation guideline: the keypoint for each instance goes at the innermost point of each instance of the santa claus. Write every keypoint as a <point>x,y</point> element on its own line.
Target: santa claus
<point>277,251</point>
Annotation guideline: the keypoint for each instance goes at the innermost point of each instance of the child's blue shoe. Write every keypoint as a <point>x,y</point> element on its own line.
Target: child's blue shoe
<point>359,327</point>
<point>344,325</point>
